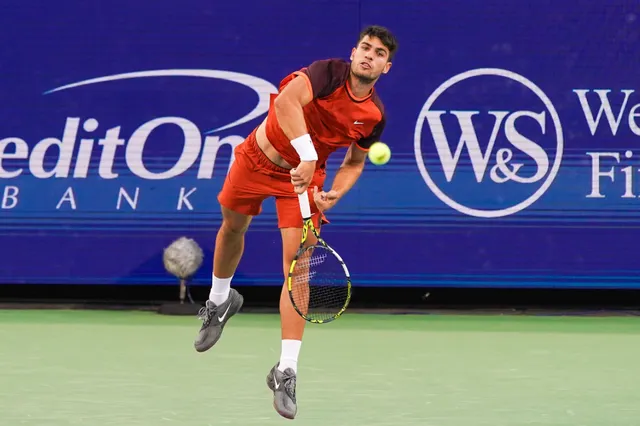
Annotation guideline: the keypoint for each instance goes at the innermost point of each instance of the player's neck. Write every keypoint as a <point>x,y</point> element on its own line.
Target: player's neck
<point>359,88</point>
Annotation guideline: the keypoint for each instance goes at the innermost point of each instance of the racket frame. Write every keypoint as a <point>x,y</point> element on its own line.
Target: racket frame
<point>307,225</point>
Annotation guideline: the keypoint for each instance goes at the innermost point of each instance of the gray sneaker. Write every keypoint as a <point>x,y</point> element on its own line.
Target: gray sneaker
<point>214,319</point>
<point>283,385</point>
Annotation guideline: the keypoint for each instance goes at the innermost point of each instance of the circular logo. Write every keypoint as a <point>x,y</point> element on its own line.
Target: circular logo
<point>488,142</point>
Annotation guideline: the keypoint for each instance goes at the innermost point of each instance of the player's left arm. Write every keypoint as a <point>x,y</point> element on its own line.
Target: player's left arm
<point>346,176</point>
<point>349,171</point>
<point>353,162</point>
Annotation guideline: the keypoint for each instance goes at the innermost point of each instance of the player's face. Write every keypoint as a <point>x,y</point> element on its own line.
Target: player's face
<point>370,59</point>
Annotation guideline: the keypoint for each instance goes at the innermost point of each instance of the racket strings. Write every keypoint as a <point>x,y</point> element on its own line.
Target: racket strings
<point>311,260</point>
<point>319,284</point>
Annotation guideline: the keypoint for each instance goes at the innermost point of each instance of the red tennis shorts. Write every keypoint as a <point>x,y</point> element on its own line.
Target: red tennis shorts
<point>254,178</point>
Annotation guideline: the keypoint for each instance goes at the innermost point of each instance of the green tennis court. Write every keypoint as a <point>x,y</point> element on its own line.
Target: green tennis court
<point>139,368</point>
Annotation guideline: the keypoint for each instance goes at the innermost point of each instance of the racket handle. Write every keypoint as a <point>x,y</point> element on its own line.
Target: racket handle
<point>305,208</point>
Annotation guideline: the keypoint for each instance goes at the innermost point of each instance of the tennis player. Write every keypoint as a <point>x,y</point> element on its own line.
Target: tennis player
<point>328,105</point>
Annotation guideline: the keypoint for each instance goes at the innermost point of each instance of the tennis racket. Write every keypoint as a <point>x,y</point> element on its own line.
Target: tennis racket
<point>319,283</point>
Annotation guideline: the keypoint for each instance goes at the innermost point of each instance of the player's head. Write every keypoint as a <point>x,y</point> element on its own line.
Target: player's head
<point>373,53</point>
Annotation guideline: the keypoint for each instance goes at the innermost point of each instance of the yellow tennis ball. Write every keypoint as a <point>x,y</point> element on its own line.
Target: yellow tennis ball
<point>379,153</point>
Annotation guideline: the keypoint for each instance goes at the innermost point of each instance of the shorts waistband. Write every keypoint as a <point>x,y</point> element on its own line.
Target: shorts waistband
<point>260,157</point>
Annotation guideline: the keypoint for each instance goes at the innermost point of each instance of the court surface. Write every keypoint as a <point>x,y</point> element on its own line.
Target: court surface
<point>138,368</point>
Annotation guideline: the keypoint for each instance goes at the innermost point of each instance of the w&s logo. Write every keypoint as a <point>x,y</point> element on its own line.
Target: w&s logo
<point>488,142</point>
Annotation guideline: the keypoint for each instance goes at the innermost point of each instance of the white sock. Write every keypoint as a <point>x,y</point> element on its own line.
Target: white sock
<point>220,289</point>
<point>289,355</point>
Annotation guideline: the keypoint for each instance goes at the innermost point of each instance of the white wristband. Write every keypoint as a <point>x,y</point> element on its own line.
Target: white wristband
<point>304,147</point>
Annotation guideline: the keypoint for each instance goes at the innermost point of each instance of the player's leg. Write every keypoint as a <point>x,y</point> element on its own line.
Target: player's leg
<point>292,325</point>
<point>224,302</point>
<point>241,198</point>
<point>282,377</point>
<point>227,253</point>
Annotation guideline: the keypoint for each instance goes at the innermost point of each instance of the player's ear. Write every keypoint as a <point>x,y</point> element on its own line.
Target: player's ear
<point>353,52</point>
<point>387,67</point>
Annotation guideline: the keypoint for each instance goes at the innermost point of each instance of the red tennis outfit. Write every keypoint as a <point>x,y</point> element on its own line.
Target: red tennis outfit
<point>335,118</point>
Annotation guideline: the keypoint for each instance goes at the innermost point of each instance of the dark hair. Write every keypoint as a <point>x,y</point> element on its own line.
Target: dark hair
<point>385,36</point>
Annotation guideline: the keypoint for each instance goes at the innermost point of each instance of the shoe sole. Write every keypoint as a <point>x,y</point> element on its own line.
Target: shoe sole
<point>286,416</point>
<point>272,389</point>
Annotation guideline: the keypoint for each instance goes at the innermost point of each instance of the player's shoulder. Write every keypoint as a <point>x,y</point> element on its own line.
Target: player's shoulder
<point>326,75</point>
<point>333,63</point>
<point>376,100</point>
<point>334,68</point>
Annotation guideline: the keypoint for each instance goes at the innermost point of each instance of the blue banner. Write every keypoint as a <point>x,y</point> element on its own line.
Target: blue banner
<point>513,131</point>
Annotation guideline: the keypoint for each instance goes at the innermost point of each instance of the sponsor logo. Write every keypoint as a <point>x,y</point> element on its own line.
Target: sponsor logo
<point>488,142</point>
<point>83,148</point>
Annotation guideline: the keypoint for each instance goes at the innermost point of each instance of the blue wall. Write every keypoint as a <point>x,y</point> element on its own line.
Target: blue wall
<point>500,147</point>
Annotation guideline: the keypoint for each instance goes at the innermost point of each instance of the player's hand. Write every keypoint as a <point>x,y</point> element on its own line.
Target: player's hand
<point>301,176</point>
<point>325,200</point>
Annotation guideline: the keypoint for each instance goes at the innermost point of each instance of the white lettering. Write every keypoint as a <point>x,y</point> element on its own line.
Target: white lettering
<point>65,152</point>
<point>84,159</point>
<point>503,171</point>
<point>605,106</point>
<point>210,152</point>
<point>183,198</point>
<point>190,151</point>
<point>110,145</point>
<point>90,125</point>
<point>527,146</point>
<point>53,157</point>
<point>133,203</point>
<point>596,174</point>
<point>10,197</point>
<point>632,122</point>
<point>21,152</point>
<point>67,197</point>
<point>468,138</point>
<point>628,182</point>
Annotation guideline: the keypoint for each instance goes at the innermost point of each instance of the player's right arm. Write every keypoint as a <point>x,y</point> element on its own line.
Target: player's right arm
<point>288,108</point>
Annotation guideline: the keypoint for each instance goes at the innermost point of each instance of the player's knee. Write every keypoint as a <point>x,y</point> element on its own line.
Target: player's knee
<point>234,222</point>
<point>286,264</point>
<point>291,238</point>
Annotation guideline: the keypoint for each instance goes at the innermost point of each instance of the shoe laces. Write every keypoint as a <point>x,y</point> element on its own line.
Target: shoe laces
<point>206,313</point>
<point>289,383</point>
